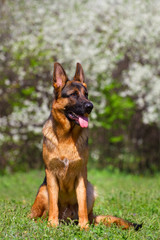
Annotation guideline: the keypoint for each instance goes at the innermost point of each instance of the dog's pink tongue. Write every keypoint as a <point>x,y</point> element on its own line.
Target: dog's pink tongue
<point>83,121</point>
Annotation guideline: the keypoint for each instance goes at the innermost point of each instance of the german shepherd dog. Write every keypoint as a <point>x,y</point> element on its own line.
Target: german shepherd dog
<point>66,192</point>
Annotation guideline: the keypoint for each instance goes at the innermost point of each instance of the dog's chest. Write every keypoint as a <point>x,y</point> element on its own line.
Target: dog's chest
<point>64,157</point>
<point>66,171</point>
<point>65,168</point>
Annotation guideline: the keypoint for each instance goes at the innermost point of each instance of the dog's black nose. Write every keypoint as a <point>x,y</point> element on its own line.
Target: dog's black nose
<point>88,107</point>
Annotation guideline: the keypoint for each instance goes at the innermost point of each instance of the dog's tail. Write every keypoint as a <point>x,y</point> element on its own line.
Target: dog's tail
<point>109,220</point>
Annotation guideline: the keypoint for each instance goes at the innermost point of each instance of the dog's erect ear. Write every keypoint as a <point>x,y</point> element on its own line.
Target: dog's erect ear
<point>79,74</point>
<point>59,76</point>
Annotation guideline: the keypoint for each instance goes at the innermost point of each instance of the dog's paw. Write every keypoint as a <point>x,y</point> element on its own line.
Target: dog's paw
<point>84,226</point>
<point>53,222</point>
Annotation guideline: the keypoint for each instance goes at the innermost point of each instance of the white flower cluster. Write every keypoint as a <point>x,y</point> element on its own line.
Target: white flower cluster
<point>99,34</point>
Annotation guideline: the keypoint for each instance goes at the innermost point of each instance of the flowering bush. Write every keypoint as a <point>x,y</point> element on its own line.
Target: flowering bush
<point>117,42</point>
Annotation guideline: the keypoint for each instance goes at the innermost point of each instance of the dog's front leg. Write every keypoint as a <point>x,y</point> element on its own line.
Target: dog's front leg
<point>53,190</point>
<point>82,202</point>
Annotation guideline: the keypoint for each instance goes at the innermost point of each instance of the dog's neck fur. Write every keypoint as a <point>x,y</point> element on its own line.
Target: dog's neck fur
<point>76,138</point>
<point>64,129</point>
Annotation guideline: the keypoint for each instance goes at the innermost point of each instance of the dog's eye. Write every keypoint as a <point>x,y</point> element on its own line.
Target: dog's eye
<point>86,95</point>
<point>73,94</point>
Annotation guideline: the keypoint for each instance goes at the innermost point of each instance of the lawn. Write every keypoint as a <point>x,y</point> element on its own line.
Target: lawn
<point>135,198</point>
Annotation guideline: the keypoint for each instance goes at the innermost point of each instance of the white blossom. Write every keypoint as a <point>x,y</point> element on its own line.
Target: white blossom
<point>99,34</point>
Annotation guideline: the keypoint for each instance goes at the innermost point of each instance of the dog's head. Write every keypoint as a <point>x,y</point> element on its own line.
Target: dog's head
<point>72,96</point>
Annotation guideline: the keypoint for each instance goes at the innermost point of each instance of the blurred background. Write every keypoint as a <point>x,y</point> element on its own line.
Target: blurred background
<point>118,44</point>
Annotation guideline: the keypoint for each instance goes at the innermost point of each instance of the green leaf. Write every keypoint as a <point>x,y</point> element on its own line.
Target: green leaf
<point>116,139</point>
<point>28,91</point>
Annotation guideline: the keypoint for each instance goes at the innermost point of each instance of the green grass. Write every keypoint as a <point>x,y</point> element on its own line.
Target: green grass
<point>135,198</point>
